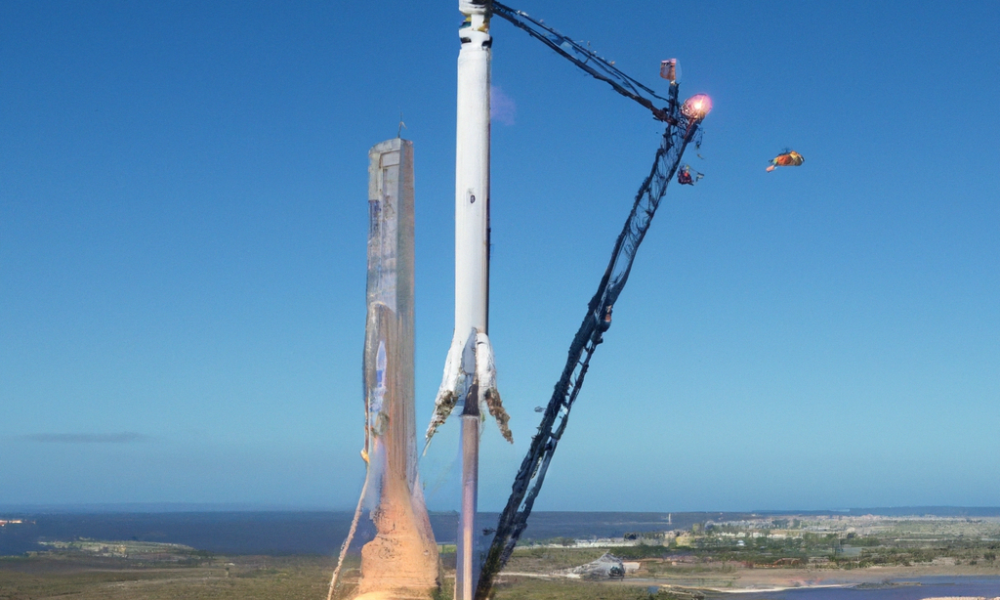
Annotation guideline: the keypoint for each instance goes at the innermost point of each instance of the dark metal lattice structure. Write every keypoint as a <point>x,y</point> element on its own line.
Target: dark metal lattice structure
<point>588,60</point>
<point>681,130</point>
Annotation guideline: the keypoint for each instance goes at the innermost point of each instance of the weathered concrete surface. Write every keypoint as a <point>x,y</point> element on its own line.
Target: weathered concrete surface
<point>402,560</point>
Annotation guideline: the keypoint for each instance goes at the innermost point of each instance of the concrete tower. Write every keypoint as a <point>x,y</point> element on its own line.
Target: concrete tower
<point>402,560</point>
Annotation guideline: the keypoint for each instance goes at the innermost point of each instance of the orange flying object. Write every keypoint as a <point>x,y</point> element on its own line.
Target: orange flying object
<point>790,158</point>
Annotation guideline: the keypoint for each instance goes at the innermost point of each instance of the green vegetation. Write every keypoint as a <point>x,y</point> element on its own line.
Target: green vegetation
<point>86,577</point>
<point>536,559</point>
<point>679,565</point>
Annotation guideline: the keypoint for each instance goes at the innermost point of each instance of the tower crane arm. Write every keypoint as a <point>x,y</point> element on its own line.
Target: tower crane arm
<point>588,60</point>
<point>681,129</point>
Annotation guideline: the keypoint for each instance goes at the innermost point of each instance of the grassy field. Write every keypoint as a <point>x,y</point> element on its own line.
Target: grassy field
<point>534,574</point>
<point>81,577</point>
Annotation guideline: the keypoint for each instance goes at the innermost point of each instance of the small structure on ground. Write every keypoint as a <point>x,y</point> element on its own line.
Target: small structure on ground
<point>607,566</point>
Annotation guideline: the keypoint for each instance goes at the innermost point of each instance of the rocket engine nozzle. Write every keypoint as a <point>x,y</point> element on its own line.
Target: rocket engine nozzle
<point>467,364</point>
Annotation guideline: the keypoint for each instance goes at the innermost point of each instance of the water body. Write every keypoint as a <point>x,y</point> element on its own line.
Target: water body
<point>904,589</point>
<point>291,532</point>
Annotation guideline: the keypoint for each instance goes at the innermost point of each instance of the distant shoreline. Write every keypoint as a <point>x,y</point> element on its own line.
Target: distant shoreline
<point>204,507</point>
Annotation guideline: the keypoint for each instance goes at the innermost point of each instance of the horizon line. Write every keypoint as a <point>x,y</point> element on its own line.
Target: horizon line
<point>250,507</point>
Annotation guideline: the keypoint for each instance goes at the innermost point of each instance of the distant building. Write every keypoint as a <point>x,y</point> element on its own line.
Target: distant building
<point>605,567</point>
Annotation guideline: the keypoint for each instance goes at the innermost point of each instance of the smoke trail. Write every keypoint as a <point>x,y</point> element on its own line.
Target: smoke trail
<point>502,107</point>
<point>347,542</point>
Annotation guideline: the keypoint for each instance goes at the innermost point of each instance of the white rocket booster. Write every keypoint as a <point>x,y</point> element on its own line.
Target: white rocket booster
<point>472,267</point>
<point>472,173</point>
<point>469,373</point>
<point>471,344</point>
<point>470,358</point>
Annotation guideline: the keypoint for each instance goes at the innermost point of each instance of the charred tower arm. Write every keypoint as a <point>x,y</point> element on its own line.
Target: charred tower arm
<point>682,124</point>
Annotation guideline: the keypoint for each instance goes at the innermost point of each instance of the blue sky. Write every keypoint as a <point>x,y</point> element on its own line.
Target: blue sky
<point>182,252</point>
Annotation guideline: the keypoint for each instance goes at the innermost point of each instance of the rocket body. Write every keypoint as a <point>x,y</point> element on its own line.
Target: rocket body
<point>469,372</point>
<point>472,180</point>
<point>472,241</point>
<point>470,358</point>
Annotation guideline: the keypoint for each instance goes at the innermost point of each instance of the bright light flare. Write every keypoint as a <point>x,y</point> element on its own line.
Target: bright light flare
<point>697,107</point>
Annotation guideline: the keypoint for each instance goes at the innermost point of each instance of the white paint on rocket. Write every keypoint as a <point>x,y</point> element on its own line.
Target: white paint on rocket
<point>472,211</point>
<point>465,364</point>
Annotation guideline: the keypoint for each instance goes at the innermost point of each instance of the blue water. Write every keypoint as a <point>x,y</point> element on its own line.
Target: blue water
<point>928,587</point>
<point>294,532</point>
